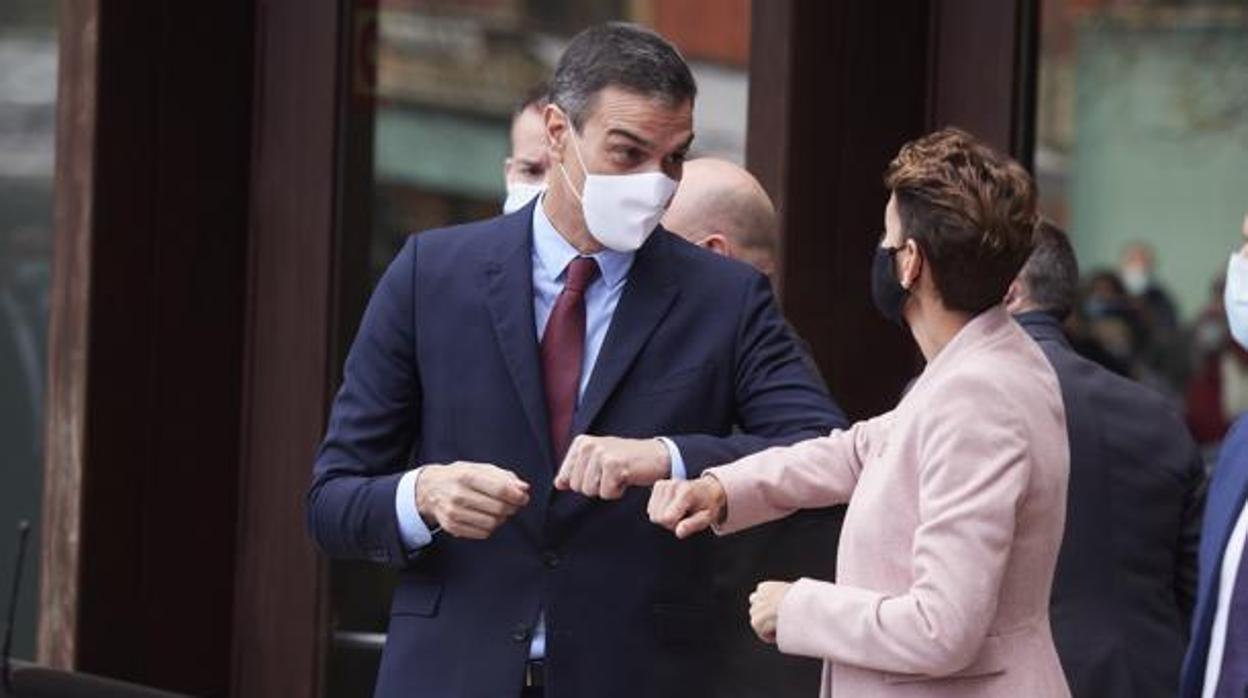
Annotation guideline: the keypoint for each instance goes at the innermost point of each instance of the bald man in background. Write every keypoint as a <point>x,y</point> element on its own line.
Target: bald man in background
<point>723,208</point>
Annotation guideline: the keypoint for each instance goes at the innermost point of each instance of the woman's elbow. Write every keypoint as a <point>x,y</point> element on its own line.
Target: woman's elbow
<point>949,649</point>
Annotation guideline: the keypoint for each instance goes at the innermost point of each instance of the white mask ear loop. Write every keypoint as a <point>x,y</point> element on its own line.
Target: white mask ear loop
<point>577,149</point>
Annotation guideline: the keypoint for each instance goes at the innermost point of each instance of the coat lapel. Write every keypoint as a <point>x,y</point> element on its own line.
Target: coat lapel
<point>646,299</point>
<point>508,277</point>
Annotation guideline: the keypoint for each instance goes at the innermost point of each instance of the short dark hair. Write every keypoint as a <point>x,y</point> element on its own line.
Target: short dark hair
<point>971,211</point>
<point>536,97</point>
<point>618,54</point>
<point>1051,274</point>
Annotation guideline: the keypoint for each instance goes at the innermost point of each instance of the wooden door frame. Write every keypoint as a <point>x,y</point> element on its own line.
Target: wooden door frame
<point>835,89</point>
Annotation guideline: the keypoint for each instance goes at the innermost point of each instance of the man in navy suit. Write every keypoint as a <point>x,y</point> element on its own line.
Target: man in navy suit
<point>1216,665</point>
<point>1126,574</point>
<point>515,385</point>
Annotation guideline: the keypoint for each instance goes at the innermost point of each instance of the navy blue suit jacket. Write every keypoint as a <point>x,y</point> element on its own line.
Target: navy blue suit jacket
<point>445,367</point>
<point>1126,576</point>
<point>1228,488</point>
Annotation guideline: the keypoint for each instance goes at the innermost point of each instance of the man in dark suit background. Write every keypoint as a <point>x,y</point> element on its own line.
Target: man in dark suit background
<point>1125,581</point>
<point>516,384</point>
<point>1217,659</point>
<point>722,207</point>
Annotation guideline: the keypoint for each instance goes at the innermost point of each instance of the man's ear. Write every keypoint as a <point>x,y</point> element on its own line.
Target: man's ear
<point>1015,297</point>
<point>557,126</point>
<point>717,243</point>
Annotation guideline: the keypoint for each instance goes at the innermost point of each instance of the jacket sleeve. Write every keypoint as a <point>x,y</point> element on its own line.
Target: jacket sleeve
<point>973,473</point>
<point>373,425</point>
<point>815,473</point>
<point>778,399</point>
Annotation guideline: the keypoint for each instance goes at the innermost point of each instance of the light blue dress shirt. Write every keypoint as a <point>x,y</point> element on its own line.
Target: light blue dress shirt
<point>551,256</point>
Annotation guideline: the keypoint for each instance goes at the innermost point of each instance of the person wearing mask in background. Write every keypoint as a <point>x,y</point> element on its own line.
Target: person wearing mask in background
<point>1218,390</point>
<point>957,497</point>
<point>1216,665</point>
<point>525,169</point>
<point>1137,268</point>
<point>1126,574</point>
<point>517,383</point>
<point>722,207</point>
<point>1162,353</point>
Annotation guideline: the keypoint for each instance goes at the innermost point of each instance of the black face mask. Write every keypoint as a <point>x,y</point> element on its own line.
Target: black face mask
<point>887,292</point>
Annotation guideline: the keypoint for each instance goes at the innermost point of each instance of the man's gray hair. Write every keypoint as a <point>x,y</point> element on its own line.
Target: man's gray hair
<point>1051,275</point>
<point>618,54</point>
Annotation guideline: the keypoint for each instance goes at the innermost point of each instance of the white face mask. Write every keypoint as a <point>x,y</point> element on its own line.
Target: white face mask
<point>1236,298</point>
<point>1137,280</point>
<point>519,194</point>
<point>621,210</point>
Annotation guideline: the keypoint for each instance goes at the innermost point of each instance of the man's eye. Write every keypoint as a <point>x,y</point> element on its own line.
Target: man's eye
<point>628,154</point>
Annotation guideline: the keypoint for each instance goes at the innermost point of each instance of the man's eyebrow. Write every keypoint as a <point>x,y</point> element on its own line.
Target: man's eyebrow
<point>687,144</point>
<point>630,136</point>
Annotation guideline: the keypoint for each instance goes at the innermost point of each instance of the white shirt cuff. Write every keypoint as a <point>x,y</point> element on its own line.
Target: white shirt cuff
<point>678,463</point>
<point>412,528</point>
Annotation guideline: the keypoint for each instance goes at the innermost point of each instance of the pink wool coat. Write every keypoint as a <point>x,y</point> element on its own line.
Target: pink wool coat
<point>957,502</point>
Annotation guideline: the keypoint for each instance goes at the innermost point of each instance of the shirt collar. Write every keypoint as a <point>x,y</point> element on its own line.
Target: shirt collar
<point>554,252</point>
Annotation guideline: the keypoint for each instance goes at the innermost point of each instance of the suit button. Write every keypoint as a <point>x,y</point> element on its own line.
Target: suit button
<point>551,559</point>
<point>521,633</point>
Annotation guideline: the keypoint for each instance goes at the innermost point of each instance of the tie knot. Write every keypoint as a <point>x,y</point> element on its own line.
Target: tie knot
<point>581,273</point>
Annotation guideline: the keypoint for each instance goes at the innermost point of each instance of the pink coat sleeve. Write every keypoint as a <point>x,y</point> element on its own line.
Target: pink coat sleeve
<point>774,483</point>
<point>973,472</point>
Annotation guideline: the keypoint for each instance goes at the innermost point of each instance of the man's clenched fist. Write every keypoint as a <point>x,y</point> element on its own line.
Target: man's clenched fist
<point>469,500</point>
<point>605,466</point>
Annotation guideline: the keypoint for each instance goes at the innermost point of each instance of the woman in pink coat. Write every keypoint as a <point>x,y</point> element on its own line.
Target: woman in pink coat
<point>957,497</point>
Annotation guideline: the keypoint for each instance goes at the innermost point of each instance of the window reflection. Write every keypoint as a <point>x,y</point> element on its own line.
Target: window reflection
<point>28,57</point>
<point>1141,144</point>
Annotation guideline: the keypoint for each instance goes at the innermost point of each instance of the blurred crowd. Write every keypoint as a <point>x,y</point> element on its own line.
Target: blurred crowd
<point>1128,321</point>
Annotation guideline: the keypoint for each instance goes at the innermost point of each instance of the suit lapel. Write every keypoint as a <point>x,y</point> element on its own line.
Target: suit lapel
<point>1226,495</point>
<point>509,293</point>
<point>647,297</point>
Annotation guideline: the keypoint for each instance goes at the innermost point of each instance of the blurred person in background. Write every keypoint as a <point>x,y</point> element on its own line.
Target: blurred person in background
<point>1163,352</point>
<point>1216,665</point>
<point>1209,333</point>
<point>722,207</point>
<point>1218,390</point>
<point>1137,268</point>
<point>957,497</point>
<point>1111,318</point>
<point>1126,576</point>
<point>525,169</point>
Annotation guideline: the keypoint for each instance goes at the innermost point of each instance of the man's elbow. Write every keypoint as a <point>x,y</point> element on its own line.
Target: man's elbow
<point>317,517</point>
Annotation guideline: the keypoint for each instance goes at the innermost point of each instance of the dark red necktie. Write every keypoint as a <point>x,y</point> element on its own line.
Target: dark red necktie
<point>563,350</point>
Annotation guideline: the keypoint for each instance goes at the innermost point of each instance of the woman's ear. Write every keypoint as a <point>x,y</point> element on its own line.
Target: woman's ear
<point>911,265</point>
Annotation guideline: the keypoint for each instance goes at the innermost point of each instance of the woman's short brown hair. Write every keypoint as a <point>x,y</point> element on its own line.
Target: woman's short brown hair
<point>971,211</point>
